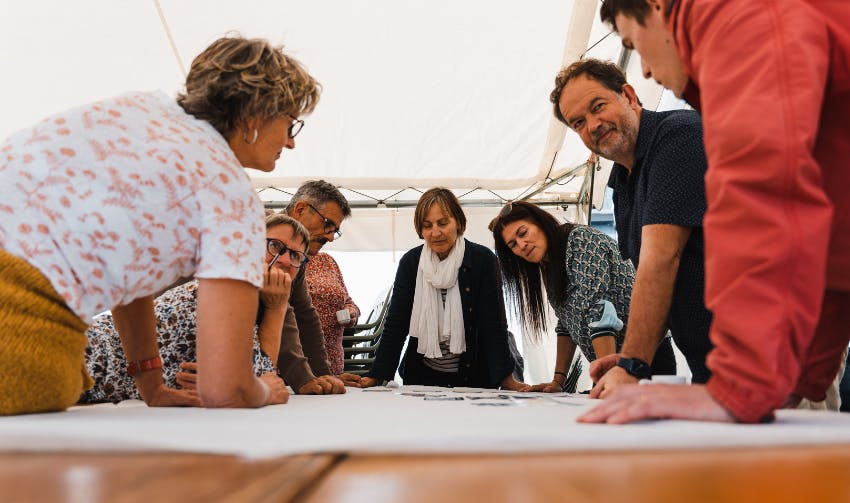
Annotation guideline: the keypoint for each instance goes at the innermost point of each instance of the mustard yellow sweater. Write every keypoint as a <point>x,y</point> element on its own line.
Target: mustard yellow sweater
<point>42,343</point>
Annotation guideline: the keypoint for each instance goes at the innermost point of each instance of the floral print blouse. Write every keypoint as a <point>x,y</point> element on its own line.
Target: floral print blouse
<point>329,294</point>
<point>175,329</point>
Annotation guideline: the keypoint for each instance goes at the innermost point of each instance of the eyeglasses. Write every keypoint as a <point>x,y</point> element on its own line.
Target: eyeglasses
<point>276,248</point>
<point>329,224</point>
<point>505,211</point>
<point>295,127</point>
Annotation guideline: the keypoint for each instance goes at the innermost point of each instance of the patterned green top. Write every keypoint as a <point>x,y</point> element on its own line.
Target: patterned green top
<point>596,272</point>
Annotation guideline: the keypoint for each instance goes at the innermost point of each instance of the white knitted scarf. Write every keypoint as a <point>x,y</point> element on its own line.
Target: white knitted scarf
<point>430,322</point>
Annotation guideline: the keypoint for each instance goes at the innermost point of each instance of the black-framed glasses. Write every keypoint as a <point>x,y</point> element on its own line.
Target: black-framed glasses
<point>295,128</point>
<point>329,224</point>
<point>276,248</point>
<point>505,211</point>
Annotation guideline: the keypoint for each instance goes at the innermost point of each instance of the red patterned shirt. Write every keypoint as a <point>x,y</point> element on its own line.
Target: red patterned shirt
<point>327,289</point>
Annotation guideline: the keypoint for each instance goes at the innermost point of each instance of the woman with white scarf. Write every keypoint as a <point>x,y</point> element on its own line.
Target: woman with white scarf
<point>447,297</point>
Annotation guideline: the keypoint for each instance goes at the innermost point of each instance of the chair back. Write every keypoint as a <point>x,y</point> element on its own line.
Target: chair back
<point>360,342</point>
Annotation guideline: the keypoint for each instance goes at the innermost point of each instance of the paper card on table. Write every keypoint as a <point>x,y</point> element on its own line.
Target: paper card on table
<point>418,388</point>
<point>570,400</point>
<point>488,396</point>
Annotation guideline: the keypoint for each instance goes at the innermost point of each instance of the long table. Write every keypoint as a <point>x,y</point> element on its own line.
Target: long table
<point>393,447</point>
<point>798,474</point>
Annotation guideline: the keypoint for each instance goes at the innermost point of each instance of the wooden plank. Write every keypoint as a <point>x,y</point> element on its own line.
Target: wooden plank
<point>819,474</point>
<point>147,477</point>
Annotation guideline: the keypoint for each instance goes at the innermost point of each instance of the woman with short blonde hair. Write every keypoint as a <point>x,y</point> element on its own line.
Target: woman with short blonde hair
<point>106,204</point>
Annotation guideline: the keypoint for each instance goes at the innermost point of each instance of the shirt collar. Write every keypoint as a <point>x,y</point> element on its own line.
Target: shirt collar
<point>648,123</point>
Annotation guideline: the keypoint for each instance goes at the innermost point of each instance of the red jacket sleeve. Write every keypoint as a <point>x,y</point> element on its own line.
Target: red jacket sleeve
<point>761,68</point>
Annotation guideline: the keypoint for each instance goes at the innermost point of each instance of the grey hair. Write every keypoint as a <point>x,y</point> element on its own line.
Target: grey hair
<point>319,192</point>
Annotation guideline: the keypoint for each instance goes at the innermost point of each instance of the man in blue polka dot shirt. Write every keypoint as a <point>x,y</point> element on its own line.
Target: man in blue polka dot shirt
<point>659,204</point>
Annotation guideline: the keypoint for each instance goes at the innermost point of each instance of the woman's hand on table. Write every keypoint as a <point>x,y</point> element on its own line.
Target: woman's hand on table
<point>157,394</point>
<point>278,392</point>
<point>164,396</point>
<point>546,387</point>
<point>512,384</point>
<point>187,378</point>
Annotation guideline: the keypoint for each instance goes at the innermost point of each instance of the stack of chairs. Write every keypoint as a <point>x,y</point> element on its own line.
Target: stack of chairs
<point>360,342</point>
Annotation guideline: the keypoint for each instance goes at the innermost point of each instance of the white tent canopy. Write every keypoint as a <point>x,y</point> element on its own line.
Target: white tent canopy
<point>415,93</point>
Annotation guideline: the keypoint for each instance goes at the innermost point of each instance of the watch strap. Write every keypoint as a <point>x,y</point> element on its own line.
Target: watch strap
<point>635,367</point>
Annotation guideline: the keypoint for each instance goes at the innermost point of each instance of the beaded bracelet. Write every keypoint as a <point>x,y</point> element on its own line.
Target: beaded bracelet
<point>137,367</point>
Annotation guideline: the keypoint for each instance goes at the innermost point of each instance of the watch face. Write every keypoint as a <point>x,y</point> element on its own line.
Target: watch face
<point>636,367</point>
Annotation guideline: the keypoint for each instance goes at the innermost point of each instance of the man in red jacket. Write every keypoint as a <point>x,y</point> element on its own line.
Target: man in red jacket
<point>771,79</point>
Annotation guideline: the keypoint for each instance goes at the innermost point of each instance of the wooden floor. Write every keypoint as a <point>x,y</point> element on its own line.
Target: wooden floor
<point>772,475</point>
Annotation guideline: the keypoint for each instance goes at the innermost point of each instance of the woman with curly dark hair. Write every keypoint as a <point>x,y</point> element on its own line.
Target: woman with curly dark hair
<point>586,282</point>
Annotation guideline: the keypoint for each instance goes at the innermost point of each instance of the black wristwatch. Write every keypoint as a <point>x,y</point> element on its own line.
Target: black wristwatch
<point>636,367</point>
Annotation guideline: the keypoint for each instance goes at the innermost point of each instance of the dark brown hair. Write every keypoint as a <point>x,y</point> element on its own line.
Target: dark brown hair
<point>635,9</point>
<point>447,200</point>
<point>606,73</point>
<point>524,281</point>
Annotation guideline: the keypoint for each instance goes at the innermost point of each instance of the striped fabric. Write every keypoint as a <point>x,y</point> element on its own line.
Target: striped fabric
<point>449,362</point>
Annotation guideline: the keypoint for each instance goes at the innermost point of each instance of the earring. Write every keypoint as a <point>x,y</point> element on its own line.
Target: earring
<point>253,140</point>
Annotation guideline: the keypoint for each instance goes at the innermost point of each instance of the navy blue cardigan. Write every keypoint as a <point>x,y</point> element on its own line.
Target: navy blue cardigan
<point>487,359</point>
